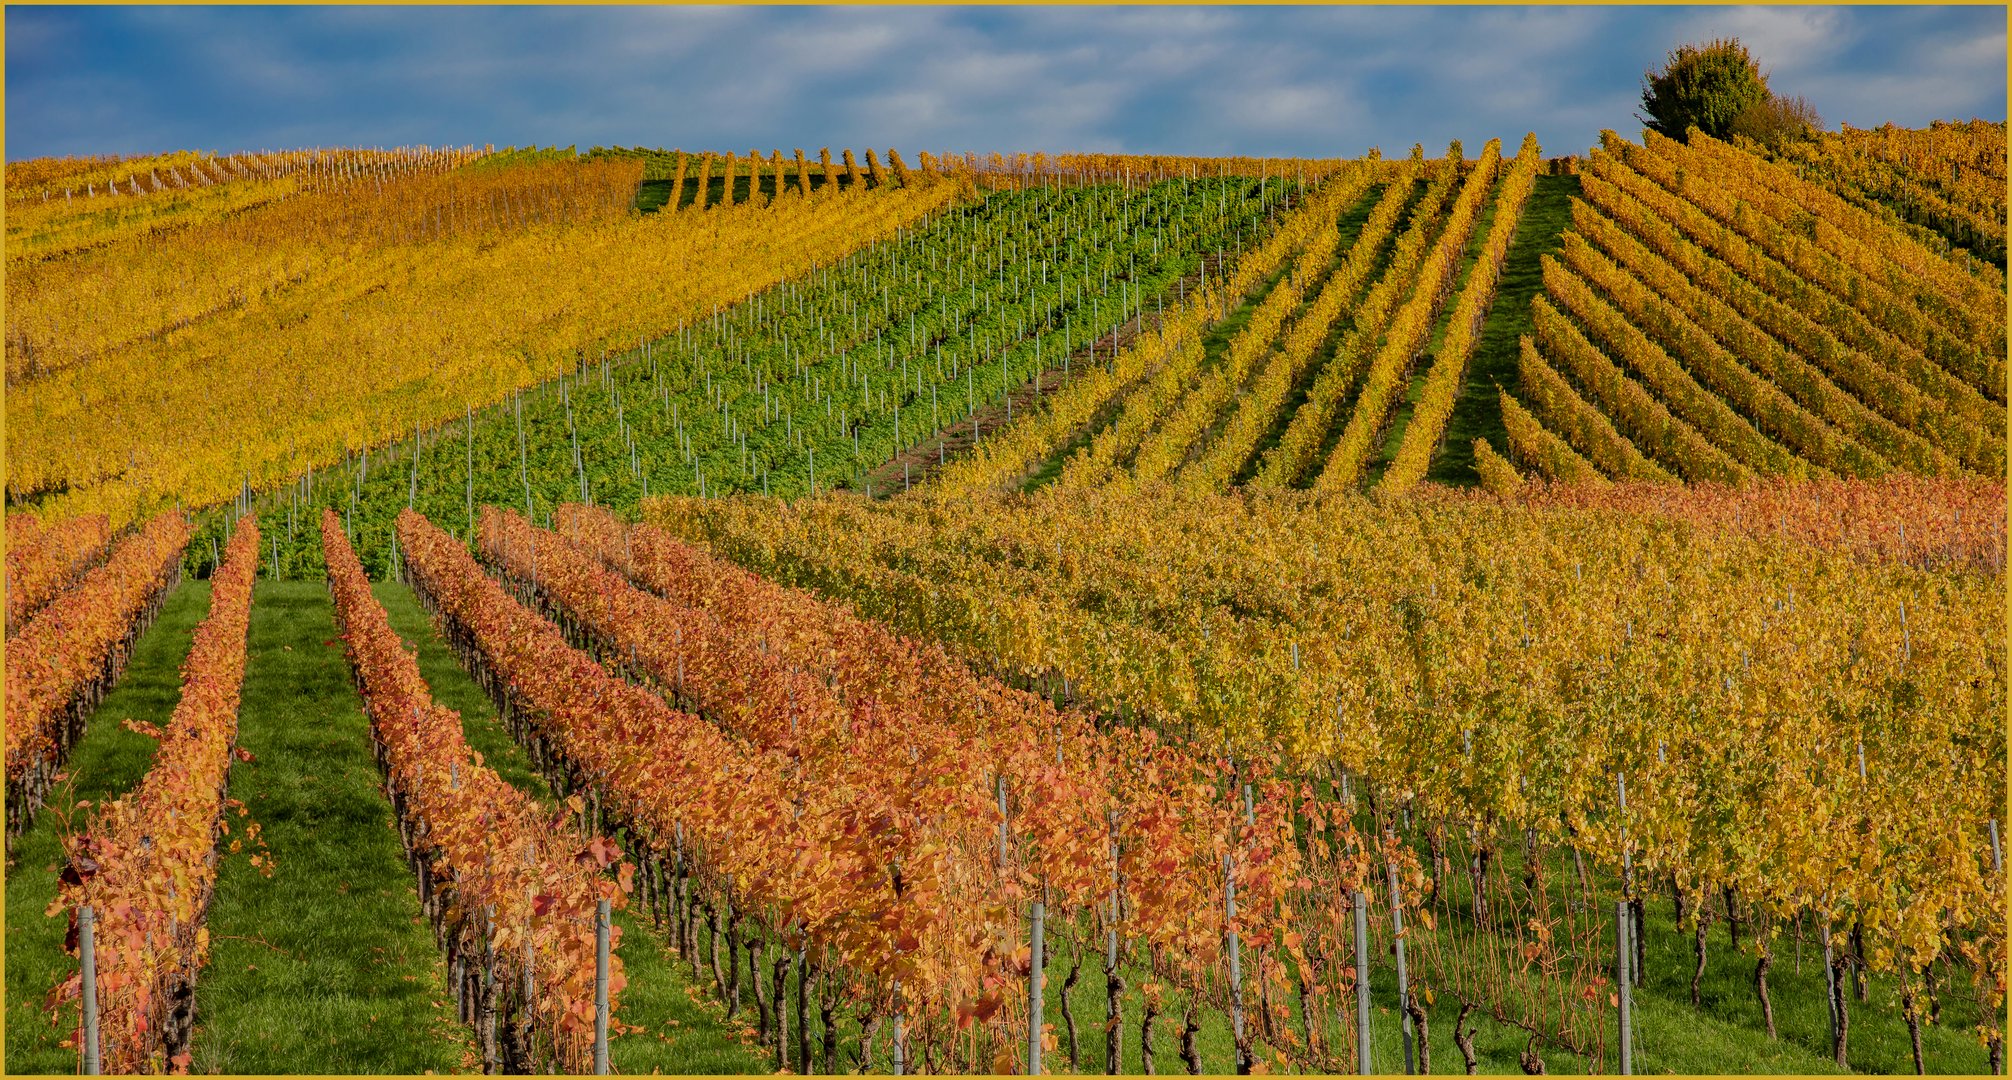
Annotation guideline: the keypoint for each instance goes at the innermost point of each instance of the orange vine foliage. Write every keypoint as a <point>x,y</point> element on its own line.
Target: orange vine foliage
<point>515,877</point>
<point>1499,663</point>
<point>1932,523</point>
<point>42,560</point>
<point>146,864</point>
<point>60,652</point>
<point>1173,814</point>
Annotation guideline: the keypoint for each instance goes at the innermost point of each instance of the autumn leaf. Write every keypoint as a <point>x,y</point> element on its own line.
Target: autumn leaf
<point>600,851</point>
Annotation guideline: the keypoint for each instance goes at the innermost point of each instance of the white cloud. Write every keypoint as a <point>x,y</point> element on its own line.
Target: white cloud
<point>1783,40</point>
<point>1194,79</point>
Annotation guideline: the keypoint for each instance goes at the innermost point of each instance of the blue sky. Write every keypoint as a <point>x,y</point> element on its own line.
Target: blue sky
<point>1193,80</point>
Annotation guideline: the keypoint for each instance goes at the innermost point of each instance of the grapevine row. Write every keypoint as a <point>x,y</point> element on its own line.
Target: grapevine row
<point>1539,448</point>
<point>1578,422</point>
<point>1820,270</point>
<point>1449,367</point>
<point>1952,524</point>
<point>513,895</point>
<point>1757,398</point>
<point>1498,474</point>
<point>1257,411</point>
<point>145,864</point>
<point>1166,448</point>
<point>43,560</point>
<point>61,664</point>
<point>1769,332</point>
<point>1608,177</point>
<point>1405,338</point>
<point>1285,464</point>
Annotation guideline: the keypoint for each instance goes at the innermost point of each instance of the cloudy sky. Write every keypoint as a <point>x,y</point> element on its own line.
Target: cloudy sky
<point>1191,80</point>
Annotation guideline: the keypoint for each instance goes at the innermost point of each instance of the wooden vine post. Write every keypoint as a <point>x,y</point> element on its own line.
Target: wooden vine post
<point>1114,983</point>
<point>1397,931</point>
<point>1034,992</point>
<point>1623,917</point>
<point>1361,905</point>
<point>87,949</point>
<point>1236,970</point>
<point>601,990</point>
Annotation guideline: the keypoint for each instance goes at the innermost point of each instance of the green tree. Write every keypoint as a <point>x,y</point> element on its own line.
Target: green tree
<point>1704,86</point>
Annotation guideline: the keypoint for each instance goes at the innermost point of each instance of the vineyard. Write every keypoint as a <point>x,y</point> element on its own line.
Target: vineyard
<point>841,612</point>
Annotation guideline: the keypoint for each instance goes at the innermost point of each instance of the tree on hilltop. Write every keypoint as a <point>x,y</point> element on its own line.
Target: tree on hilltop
<point>1703,86</point>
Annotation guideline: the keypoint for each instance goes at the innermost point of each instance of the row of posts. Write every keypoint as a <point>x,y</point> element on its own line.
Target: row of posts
<point>1623,939</point>
<point>1360,905</point>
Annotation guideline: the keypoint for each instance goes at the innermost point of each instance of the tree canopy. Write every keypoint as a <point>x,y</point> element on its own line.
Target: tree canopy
<point>1704,86</point>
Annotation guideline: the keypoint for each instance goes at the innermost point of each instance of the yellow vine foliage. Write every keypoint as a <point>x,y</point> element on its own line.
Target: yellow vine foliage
<point>1555,403</point>
<point>1945,182</point>
<point>1266,397</point>
<point>1409,330</point>
<point>56,206</point>
<point>1495,662</point>
<point>1284,464</point>
<point>1539,448</point>
<point>1498,475</point>
<point>1854,348</point>
<point>1861,397</point>
<point>1443,380</point>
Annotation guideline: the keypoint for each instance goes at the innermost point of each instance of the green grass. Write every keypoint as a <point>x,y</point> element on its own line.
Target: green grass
<point>683,1032</point>
<point>1725,1035</point>
<point>1878,1036</point>
<point>105,763</point>
<point>1478,412</point>
<point>328,965</point>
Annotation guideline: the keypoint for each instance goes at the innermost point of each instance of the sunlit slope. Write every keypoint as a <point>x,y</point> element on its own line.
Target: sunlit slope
<point>1714,316</point>
<point>259,344</point>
